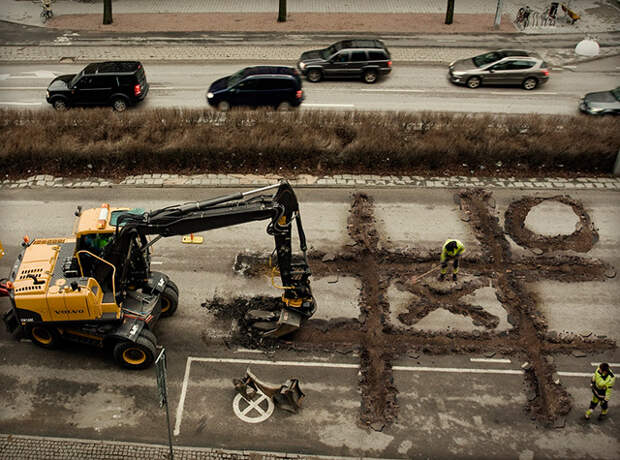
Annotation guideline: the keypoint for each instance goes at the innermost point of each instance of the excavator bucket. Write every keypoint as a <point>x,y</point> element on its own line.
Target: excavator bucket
<point>264,321</point>
<point>287,396</point>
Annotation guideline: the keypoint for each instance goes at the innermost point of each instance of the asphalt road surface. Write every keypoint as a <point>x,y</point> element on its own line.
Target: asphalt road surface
<point>407,88</point>
<point>454,405</point>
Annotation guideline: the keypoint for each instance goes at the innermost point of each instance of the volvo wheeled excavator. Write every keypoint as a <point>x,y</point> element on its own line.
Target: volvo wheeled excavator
<point>98,288</point>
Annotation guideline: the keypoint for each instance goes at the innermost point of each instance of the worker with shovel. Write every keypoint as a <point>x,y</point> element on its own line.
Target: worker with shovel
<point>452,250</point>
<point>601,384</point>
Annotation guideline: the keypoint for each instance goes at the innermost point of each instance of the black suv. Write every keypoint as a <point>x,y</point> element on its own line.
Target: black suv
<point>116,83</point>
<point>365,58</point>
<point>259,86</point>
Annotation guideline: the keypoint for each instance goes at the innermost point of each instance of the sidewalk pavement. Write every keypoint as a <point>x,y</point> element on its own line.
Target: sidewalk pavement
<point>76,21</point>
<point>596,16</point>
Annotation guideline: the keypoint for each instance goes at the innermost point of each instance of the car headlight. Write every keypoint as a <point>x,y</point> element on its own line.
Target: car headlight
<point>594,109</point>
<point>452,64</point>
<point>210,95</point>
<point>47,94</point>
<point>302,66</point>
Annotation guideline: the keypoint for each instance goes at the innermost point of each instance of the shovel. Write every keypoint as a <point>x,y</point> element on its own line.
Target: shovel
<point>415,279</point>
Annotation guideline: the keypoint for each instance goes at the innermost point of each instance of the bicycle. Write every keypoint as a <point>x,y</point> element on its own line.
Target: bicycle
<point>523,17</point>
<point>46,10</point>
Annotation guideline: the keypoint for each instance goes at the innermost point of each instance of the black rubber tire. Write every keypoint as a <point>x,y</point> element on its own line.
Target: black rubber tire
<point>314,75</point>
<point>370,76</point>
<point>44,336</point>
<point>59,104</point>
<point>223,106</point>
<point>135,355</point>
<point>529,83</point>
<point>169,301</point>
<point>284,106</point>
<point>119,104</point>
<point>174,286</point>
<point>474,82</point>
<point>147,334</point>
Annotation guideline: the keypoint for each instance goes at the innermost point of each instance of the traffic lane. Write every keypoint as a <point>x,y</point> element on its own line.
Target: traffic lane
<point>478,407</point>
<point>481,415</point>
<point>186,85</point>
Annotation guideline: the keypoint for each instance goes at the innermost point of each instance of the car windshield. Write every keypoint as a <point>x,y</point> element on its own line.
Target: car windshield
<point>329,51</point>
<point>616,93</point>
<point>75,79</point>
<point>236,78</point>
<point>487,58</point>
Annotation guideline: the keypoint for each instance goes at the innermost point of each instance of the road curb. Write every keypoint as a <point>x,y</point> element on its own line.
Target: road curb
<point>345,181</point>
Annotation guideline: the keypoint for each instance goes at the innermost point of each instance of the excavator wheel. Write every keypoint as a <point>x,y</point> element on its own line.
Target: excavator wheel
<point>44,336</point>
<point>169,300</point>
<point>174,286</point>
<point>149,336</point>
<point>135,355</point>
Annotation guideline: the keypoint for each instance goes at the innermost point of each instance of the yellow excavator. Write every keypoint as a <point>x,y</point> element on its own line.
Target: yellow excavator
<point>97,287</point>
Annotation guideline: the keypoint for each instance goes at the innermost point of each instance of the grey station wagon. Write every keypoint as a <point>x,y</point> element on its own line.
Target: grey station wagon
<point>367,59</point>
<point>502,67</point>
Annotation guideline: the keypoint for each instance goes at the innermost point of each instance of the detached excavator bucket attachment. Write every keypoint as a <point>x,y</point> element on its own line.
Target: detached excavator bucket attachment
<point>290,396</point>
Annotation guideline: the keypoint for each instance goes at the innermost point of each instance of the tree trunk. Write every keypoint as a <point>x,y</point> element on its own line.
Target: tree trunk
<point>282,11</point>
<point>107,11</point>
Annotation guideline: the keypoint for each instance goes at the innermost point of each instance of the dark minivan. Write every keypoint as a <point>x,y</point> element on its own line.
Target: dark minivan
<point>259,86</point>
<point>115,83</point>
<point>367,59</point>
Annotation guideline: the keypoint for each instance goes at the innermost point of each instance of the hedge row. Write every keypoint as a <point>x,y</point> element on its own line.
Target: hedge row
<point>101,142</point>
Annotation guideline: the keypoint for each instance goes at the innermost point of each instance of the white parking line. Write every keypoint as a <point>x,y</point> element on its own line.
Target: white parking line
<point>490,360</point>
<point>610,364</point>
<point>457,370</point>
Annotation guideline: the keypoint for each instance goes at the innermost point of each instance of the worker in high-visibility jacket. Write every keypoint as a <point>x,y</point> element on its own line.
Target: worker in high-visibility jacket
<point>451,251</point>
<point>602,382</point>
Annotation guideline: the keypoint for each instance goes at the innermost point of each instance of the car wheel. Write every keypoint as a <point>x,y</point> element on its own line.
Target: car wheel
<point>169,301</point>
<point>530,83</point>
<point>473,82</point>
<point>59,104</point>
<point>370,76</point>
<point>119,105</point>
<point>135,355</point>
<point>315,75</point>
<point>284,106</point>
<point>46,337</point>
<point>223,106</point>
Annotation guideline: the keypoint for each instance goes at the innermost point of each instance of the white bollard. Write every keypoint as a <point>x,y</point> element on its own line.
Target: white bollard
<point>587,47</point>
